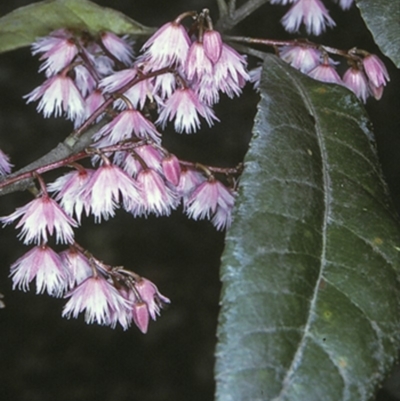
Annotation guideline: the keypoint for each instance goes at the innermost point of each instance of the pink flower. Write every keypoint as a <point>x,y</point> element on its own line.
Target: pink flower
<point>69,192</point>
<point>44,265</point>
<point>138,94</point>
<point>212,43</point>
<point>356,81</point>
<point>184,106</point>
<point>127,124</point>
<point>146,301</point>
<point>301,58</point>
<point>5,165</point>
<point>312,13</point>
<point>156,196</point>
<point>325,72</point>
<point>167,47</point>
<point>106,187</point>
<point>149,155</point>
<point>189,180</point>
<point>118,47</point>
<point>151,296</point>
<point>197,63</point>
<point>375,70</point>
<point>84,80</point>
<point>77,265</point>
<point>100,300</point>
<point>59,51</point>
<point>92,103</point>
<point>58,94</point>
<point>116,81</point>
<point>206,200</point>
<point>164,85</point>
<point>229,76</point>
<point>41,217</point>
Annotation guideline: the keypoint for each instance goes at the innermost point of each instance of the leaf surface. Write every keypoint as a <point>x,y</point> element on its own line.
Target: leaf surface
<point>310,299</point>
<point>383,20</point>
<point>24,25</point>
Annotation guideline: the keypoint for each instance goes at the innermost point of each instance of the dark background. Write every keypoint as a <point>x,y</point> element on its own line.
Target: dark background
<point>44,357</point>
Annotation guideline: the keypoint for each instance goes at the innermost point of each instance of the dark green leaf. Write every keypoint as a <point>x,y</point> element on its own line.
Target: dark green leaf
<point>383,20</point>
<point>310,299</point>
<point>22,26</point>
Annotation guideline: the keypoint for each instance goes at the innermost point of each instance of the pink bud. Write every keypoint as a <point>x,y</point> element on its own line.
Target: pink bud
<point>375,70</point>
<point>172,169</point>
<point>212,43</point>
<point>140,315</point>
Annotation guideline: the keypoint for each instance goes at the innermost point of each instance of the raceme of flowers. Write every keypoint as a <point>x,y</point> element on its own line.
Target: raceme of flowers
<point>367,75</point>
<point>182,77</point>
<point>176,79</point>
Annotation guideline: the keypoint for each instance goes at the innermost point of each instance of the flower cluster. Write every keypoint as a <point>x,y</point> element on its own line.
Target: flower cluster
<point>312,13</point>
<point>88,78</point>
<point>366,76</point>
<point>177,77</point>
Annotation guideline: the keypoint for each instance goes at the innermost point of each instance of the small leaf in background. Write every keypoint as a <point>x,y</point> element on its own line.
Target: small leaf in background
<point>311,291</point>
<point>24,25</point>
<point>383,20</point>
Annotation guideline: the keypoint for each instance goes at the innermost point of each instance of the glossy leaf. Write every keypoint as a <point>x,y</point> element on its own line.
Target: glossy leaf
<point>383,20</point>
<point>311,293</point>
<point>22,26</point>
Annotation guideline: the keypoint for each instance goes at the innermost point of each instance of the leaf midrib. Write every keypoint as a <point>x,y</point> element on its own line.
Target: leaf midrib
<point>327,201</point>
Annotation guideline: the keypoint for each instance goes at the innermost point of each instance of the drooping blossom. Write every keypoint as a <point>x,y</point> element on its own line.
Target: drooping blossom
<point>197,63</point>
<point>325,72</point>
<point>301,57</point>
<point>151,296</point>
<point>100,300</point>
<point>58,50</point>
<point>84,80</point>
<point>189,180</point>
<point>117,80</point>
<point>206,200</point>
<point>156,196</point>
<point>77,265</point>
<point>128,124</point>
<point>129,162</point>
<point>312,13</point>
<point>185,107</point>
<point>356,81</point>
<point>44,265</point>
<point>69,188</point>
<point>168,47</point>
<point>58,95</point>
<point>376,73</point>
<point>118,47</point>
<point>40,218</point>
<point>229,75</point>
<point>145,302</point>
<point>106,188</point>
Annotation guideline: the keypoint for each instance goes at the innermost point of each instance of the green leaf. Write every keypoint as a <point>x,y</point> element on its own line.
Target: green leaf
<point>22,26</point>
<point>383,20</point>
<point>311,293</point>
